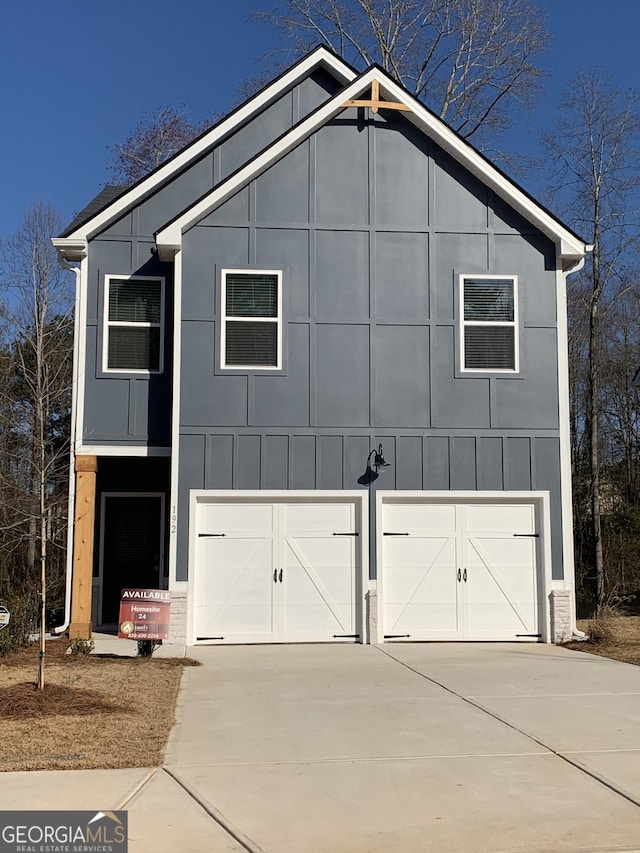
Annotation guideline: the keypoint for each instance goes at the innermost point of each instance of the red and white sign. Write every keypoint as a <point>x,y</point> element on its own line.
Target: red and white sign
<point>144,614</point>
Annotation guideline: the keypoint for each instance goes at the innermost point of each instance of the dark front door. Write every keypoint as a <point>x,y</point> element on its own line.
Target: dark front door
<point>132,548</point>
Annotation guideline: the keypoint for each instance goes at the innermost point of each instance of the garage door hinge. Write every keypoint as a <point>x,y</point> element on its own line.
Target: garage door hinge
<point>211,534</point>
<point>530,535</point>
<point>346,636</point>
<point>395,534</point>
<point>396,636</point>
<point>345,534</point>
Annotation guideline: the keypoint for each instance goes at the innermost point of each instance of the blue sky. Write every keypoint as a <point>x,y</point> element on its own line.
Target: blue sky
<point>77,76</point>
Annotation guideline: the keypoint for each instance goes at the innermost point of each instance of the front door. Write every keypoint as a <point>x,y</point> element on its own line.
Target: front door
<point>132,547</point>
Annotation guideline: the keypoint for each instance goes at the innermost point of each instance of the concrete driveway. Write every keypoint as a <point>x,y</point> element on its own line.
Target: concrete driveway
<point>401,749</point>
<point>413,748</point>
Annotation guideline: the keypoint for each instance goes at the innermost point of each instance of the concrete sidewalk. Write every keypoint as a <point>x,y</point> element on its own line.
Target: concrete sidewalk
<point>401,749</point>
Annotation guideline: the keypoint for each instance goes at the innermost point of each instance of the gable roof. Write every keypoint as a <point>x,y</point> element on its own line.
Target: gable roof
<point>107,194</point>
<point>571,247</point>
<point>102,210</point>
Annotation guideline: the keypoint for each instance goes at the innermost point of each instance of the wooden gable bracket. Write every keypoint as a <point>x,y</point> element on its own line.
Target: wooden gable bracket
<point>375,103</point>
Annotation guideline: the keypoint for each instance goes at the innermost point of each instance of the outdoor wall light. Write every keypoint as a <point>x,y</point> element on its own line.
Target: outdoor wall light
<point>379,462</point>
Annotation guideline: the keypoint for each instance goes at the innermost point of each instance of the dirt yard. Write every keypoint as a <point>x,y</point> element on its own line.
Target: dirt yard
<point>616,637</point>
<point>94,711</point>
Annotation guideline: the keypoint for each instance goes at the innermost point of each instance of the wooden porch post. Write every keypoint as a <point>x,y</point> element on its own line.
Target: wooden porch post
<point>81,586</point>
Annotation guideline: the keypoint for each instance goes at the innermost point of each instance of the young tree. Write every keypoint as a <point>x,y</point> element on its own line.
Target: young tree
<point>470,61</point>
<point>157,137</point>
<point>594,149</point>
<point>35,397</point>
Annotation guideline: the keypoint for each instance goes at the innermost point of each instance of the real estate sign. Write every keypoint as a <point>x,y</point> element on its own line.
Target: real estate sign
<point>144,614</point>
<point>4,617</point>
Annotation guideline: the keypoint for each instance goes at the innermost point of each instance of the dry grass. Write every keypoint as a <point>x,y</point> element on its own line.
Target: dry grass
<point>94,711</point>
<point>611,636</point>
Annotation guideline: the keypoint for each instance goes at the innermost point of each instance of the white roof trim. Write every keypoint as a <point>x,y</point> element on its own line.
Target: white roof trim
<point>72,249</point>
<point>319,57</point>
<point>169,239</point>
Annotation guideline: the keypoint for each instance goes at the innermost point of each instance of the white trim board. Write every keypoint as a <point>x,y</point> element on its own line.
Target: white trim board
<point>320,57</point>
<point>139,450</point>
<point>570,247</point>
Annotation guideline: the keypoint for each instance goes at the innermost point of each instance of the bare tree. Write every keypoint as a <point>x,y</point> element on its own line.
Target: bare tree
<point>156,138</point>
<point>470,61</point>
<point>594,149</point>
<point>36,306</point>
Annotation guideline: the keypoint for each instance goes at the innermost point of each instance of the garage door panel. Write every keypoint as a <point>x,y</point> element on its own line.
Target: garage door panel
<point>411,516</point>
<point>319,517</point>
<point>420,595</point>
<point>319,594</point>
<point>496,596</point>
<point>510,518</point>
<point>498,621</point>
<point>249,518</point>
<point>510,566</point>
<point>417,551</point>
<point>295,582</point>
<point>234,587</point>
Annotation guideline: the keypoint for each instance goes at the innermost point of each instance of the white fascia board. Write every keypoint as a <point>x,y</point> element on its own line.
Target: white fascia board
<point>569,246</point>
<point>319,57</point>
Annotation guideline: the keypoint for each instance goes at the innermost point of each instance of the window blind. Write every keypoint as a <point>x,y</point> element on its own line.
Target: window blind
<point>134,301</point>
<point>489,299</point>
<point>134,348</point>
<point>251,295</point>
<point>251,344</point>
<point>489,347</point>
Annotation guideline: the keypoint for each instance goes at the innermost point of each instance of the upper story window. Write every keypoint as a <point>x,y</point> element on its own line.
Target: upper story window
<point>251,309</point>
<point>489,319</point>
<point>134,320</point>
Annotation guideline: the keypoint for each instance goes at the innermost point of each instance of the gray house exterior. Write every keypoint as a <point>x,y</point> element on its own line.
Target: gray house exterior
<point>309,286</point>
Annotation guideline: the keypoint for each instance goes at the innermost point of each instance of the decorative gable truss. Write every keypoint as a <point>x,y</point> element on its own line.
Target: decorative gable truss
<point>375,82</point>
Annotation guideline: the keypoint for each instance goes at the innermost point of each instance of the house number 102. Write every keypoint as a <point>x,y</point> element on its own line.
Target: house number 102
<point>174,518</point>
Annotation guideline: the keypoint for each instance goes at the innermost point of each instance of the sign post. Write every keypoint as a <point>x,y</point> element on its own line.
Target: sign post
<point>144,614</point>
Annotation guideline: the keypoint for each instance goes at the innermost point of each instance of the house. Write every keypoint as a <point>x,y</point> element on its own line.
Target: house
<point>321,388</point>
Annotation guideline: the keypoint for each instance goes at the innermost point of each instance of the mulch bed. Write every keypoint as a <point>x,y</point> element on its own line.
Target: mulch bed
<point>95,710</point>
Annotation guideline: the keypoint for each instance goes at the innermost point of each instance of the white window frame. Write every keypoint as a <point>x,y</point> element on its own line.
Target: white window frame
<point>223,320</point>
<point>515,323</point>
<point>107,324</point>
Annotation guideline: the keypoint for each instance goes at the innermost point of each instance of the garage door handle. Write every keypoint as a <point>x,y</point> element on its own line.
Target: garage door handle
<point>275,576</point>
<point>464,576</point>
<point>528,535</point>
<point>280,575</point>
<point>459,575</point>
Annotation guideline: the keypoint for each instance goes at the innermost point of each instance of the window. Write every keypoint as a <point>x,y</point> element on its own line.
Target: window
<point>134,309</point>
<point>251,309</point>
<point>489,309</point>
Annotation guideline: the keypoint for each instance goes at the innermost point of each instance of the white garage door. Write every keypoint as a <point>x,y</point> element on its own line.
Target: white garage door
<point>453,571</point>
<point>277,571</point>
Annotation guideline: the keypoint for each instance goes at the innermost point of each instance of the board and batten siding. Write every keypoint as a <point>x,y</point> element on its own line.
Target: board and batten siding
<point>135,410</point>
<point>371,225</point>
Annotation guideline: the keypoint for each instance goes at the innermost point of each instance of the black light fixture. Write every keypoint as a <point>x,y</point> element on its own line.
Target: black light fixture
<point>379,462</point>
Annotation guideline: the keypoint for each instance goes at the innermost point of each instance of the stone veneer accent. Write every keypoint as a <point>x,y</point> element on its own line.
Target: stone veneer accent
<point>560,615</point>
<point>178,619</point>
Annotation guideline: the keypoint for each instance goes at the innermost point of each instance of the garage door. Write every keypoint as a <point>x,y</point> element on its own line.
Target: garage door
<point>460,571</point>
<point>277,571</point>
